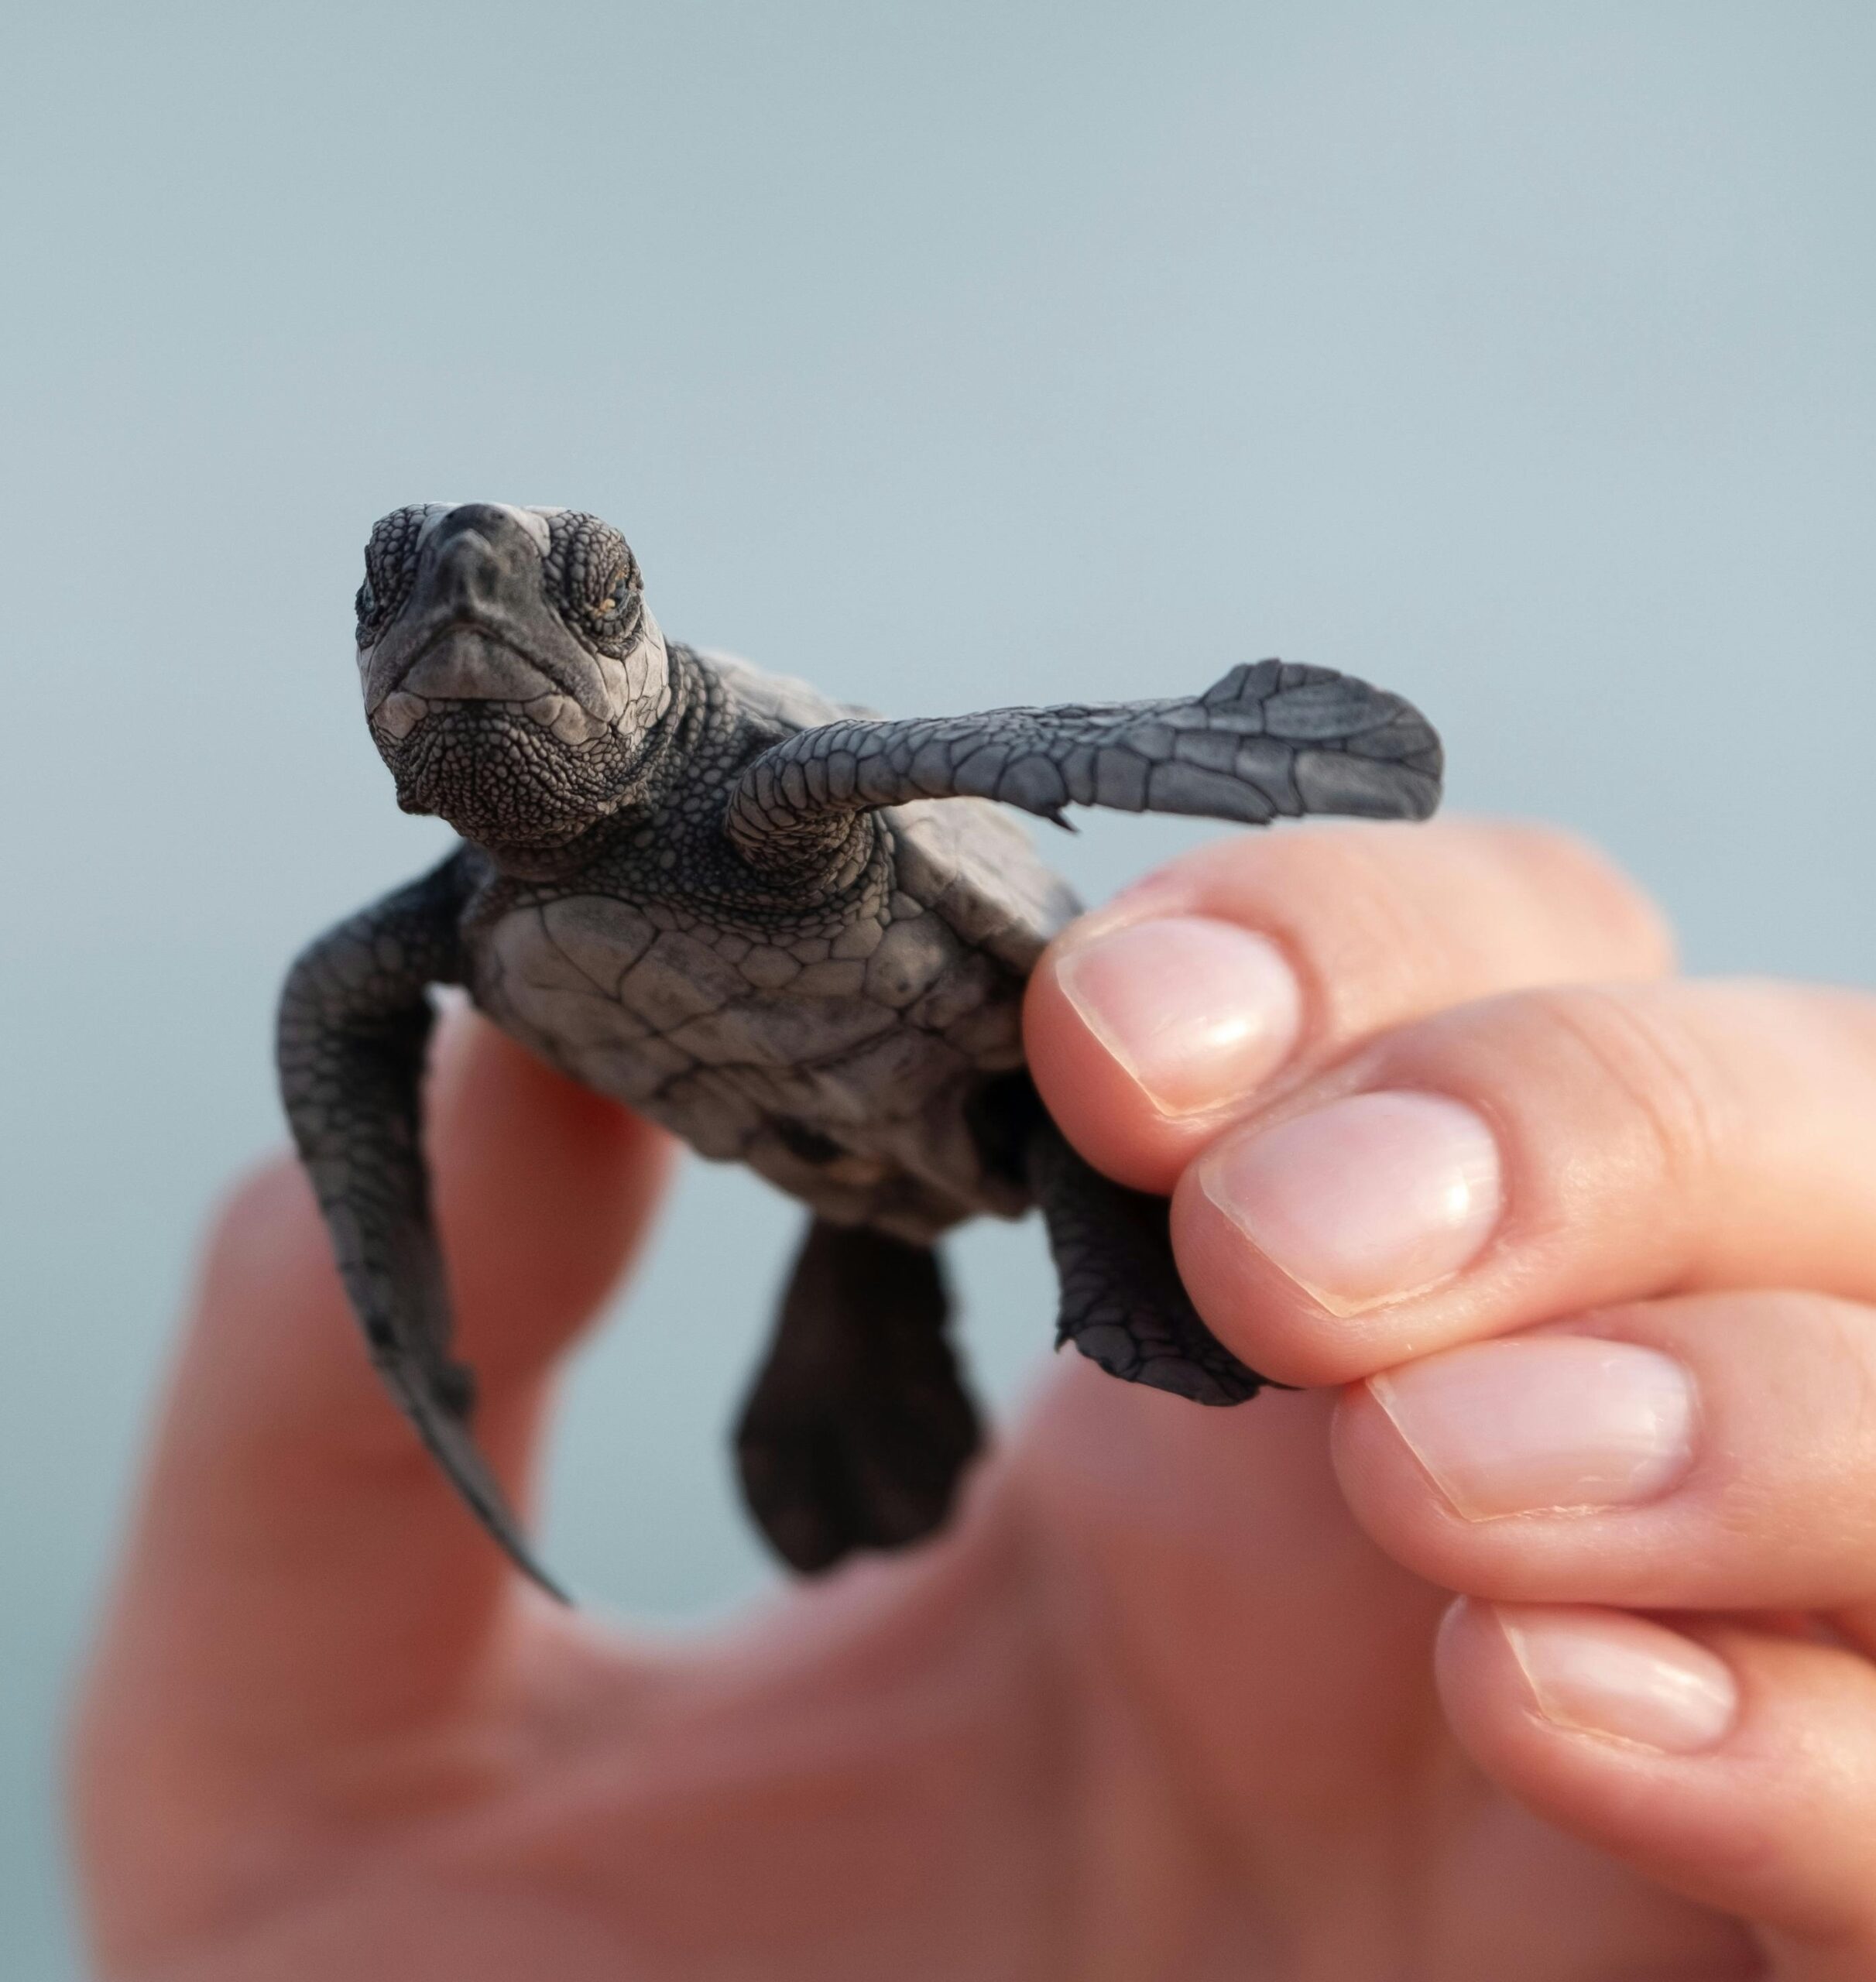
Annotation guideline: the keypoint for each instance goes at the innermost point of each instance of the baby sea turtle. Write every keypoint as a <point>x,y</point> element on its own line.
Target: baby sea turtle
<point>794,934</point>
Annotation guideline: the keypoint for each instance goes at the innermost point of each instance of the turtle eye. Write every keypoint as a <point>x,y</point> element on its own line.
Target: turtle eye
<point>390,565</point>
<point>593,578</point>
<point>610,601</point>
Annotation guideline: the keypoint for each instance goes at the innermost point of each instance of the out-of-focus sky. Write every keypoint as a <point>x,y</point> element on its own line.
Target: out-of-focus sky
<point>1518,356</point>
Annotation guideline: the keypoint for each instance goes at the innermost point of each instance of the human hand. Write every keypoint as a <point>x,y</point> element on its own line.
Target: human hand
<point>1164,1703</point>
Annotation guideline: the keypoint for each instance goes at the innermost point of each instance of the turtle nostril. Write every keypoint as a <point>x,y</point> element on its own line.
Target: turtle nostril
<point>468,569</point>
<point>490,519</point>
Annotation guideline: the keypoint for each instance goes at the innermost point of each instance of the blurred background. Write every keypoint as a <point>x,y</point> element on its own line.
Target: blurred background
<point>1517,355</point>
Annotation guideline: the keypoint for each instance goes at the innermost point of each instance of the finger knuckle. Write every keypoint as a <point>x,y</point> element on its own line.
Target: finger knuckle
<point>1839,1401</point>
<point>1642,1071</point>
<point>1558,866</point>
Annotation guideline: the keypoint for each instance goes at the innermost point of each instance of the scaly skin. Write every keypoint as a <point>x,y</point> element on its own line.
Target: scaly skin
<point>795,935</point>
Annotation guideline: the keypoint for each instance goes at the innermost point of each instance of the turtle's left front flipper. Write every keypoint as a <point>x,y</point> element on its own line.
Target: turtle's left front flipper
<point>355,1021</point>
<point>1269,741</point>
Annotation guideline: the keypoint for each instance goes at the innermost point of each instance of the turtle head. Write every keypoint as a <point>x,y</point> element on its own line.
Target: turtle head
<point>511,675</point>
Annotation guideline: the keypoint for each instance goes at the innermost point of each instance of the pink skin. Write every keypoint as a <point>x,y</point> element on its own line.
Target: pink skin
<point>1186,1693</point>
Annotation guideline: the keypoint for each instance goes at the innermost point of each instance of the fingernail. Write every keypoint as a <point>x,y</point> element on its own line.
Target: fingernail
<point>1598,1672</point>
<point>1544,1423</point>
<point>1199,1012</point>
<point>1366,1200</point>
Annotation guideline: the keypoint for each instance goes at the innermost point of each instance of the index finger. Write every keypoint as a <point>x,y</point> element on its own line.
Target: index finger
<point>1238,971</point>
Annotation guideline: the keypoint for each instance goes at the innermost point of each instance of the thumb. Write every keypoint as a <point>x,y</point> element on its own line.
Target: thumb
<point>300,1573</point>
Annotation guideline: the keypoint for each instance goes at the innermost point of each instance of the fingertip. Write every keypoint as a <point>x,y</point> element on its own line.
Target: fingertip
<point>1636,937</point>
<point>1260,1315</point>
<point>1144,1037</point>
<point>1087,1095</point>
<point>1737,1766</point>
<point>1543,1467</point>
<point>265,1253</point>
<point>1543,1672</point>
<point>268,1208</point>
<point>1319,1242</point>
<point>1612,1726</point>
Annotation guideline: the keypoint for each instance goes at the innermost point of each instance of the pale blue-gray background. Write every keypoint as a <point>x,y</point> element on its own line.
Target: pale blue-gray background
<point>1520,355</point>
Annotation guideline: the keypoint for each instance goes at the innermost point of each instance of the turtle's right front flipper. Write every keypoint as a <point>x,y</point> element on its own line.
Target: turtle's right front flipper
<point>355,1022</point>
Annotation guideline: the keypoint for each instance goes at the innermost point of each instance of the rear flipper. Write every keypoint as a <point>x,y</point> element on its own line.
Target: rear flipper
<point>859,1428</point>
<point>1123,1304</point>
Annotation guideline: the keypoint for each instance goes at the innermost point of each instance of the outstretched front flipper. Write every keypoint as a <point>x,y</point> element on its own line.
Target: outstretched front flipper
<point>354,1021</point>
<point>1269,741</point>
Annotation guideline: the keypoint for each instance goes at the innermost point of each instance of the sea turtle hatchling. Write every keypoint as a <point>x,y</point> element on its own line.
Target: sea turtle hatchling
<point>794,934</point>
